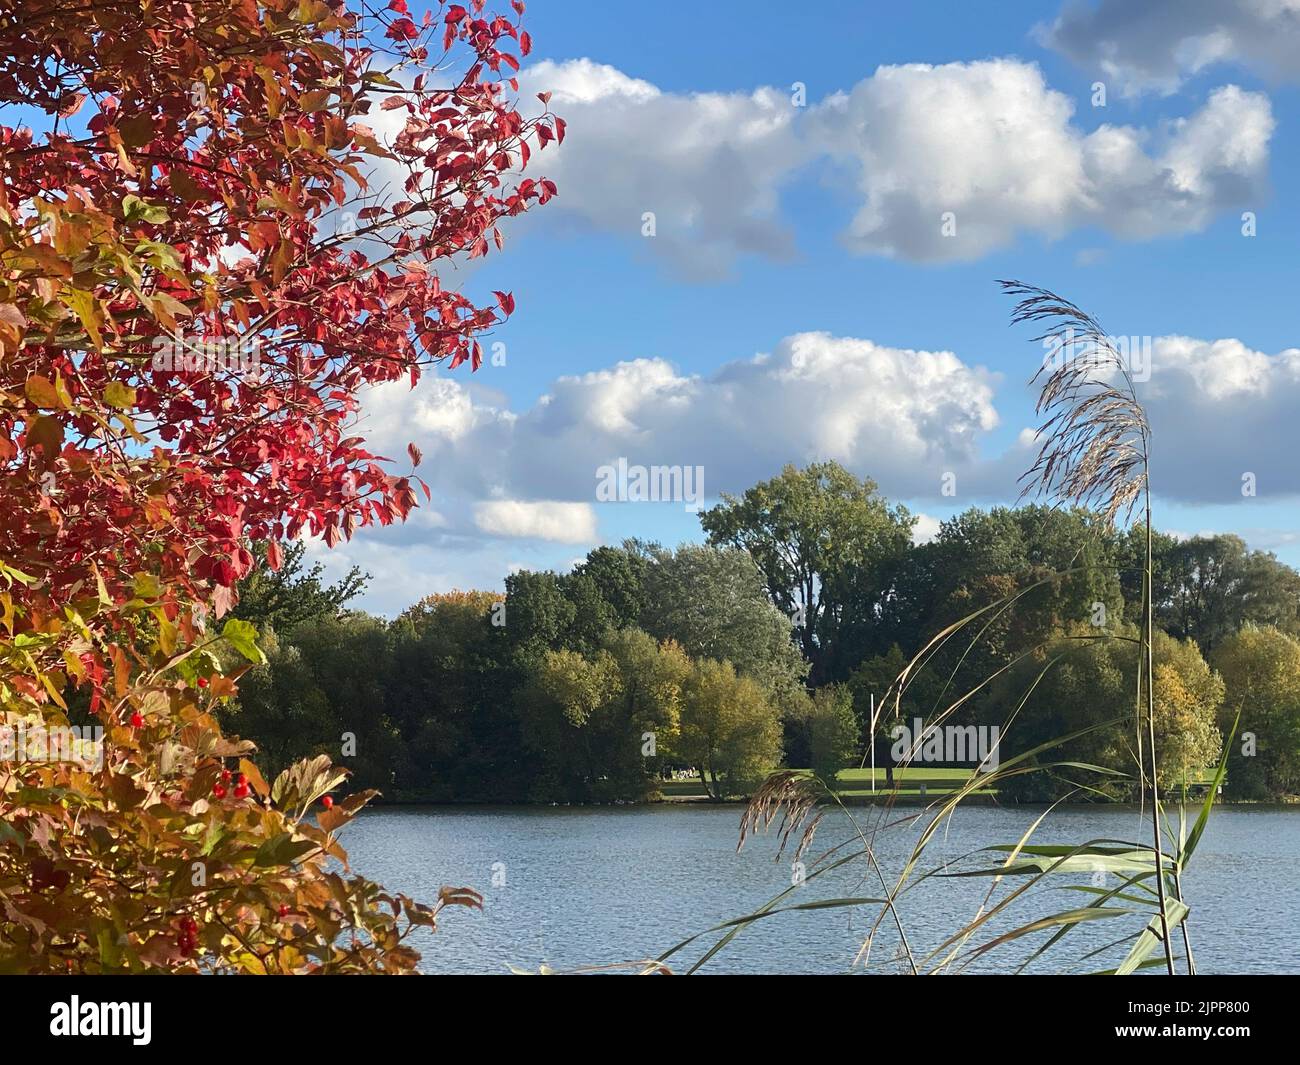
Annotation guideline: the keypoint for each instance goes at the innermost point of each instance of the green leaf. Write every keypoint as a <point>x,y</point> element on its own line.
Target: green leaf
<point>282,849</point>
<point>1175,911</point>
<point>135,209</point>
<point>1057,859</point>
<point>242,636</point>
<point>1203,819</point>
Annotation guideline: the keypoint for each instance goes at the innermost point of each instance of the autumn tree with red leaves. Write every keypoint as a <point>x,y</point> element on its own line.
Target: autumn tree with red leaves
<point>220,220</point>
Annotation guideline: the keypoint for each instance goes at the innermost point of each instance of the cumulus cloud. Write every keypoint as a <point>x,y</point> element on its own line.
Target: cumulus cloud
<point>950,162</point>
<point>902,416</point>
<point>905,418</point>
<point>569,523</point>
<point>707,166</point>
<point>926,528</point>
<point>526,480</point>
<point>1156,45</point>
<point>1221,410</point>
<point>956,160</point>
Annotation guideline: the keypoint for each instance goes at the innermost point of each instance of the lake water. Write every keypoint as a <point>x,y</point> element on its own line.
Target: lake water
<point>570,887</point>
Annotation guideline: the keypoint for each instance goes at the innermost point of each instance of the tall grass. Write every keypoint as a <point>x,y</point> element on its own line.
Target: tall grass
<point>1093,451</point>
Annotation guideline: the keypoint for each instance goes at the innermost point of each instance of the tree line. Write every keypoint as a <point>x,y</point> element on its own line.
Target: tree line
<point>770,643</point>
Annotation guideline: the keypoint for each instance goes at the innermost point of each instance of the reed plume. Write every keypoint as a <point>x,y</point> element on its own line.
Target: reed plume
<point>1094,451</point>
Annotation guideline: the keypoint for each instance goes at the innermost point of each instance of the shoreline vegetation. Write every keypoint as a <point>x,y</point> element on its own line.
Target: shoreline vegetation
<point>850,799</point>
<point>774,644</point>
<point>693,794</point>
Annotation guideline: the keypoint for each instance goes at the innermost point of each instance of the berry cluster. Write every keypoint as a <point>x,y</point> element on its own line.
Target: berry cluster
<point>240,789</point>
<point>187,936</point>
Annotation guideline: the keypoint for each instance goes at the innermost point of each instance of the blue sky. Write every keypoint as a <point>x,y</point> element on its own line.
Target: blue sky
<point>823,221</point>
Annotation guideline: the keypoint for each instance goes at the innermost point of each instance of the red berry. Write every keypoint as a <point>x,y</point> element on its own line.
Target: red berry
<point>327,802</point>
<point>136,720</point>
<point>241,791</point>
<point>203,682</point>
<point>284,911</point>
<point>225,776</point>
<point>218,791</point>
<point>240,779</point>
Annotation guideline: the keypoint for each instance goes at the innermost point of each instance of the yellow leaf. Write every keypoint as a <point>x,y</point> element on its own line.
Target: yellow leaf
<point>255,779</point>
<point>119,395</point>
<point>84,306</point>
<point>272,91</point>
<point>167,637</point>
<point>315,100</point>
<point>75,666</point>
<point>41,392</point>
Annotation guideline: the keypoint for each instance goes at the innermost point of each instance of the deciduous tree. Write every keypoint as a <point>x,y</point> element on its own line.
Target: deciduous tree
<point>199,279</point>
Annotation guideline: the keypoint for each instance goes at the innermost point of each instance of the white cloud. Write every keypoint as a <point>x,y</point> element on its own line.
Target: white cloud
<point>569,523</point>
<point>956,160</point>
<point>1220,410</point>
<point>925,529</point>
<point>988,141</point>
<point>707,165</point>
<point>1156,45</point>
<point>899,415</point>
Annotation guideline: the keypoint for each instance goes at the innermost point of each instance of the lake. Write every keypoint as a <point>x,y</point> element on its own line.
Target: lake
<point>570,887</point>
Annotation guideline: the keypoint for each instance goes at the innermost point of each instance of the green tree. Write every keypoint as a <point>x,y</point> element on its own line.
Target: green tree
<point>1261,670</point>
<point>324,681</point>
<point>712,601</point>
<point>591,719</point>
<point>451,697</point>
<point>824,541</point>
<point>1060,563</point>
<point>280,599</point>
<point>730,733</point>
<point>832,731</point>
<point>538,615</point>
<point>1089,685</point>
<point>619,575</point>
<point>1209,586</point>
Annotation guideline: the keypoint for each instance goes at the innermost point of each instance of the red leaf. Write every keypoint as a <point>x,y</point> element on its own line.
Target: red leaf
<point>403,29</point>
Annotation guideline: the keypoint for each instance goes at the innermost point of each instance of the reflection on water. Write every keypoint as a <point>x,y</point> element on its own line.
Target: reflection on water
<point>568,887</point>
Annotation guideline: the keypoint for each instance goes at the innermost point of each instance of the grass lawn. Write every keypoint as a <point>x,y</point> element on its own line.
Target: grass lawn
<point>856,783</point>
<point>919,783</point>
